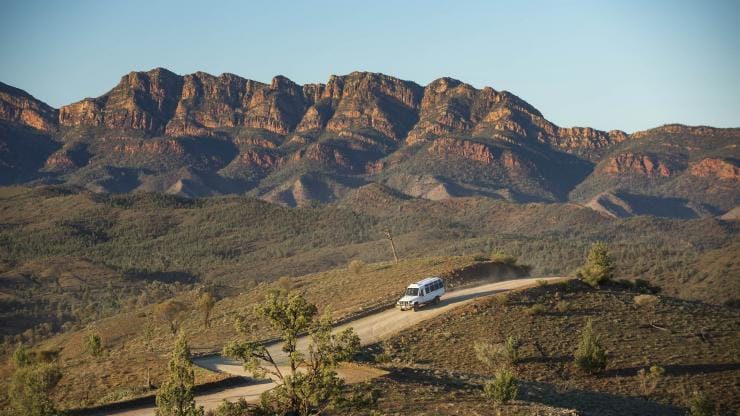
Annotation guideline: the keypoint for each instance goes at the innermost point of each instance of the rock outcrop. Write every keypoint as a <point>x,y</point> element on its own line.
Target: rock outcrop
<point>18,106</point>
<point>141,100</point>
<point>640,164</point>
<point>716,168</point>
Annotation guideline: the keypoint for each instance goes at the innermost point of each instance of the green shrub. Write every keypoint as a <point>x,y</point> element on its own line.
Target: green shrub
<point>503,388</point>
<point>536,309</point>
<point>590,355</point>
<point>542,282</point>
<point>599,266</point>
<point>501,257</point>
<point>700,405</point>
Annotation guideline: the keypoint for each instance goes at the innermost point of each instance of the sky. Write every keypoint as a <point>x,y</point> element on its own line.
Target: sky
<point>628,65</point>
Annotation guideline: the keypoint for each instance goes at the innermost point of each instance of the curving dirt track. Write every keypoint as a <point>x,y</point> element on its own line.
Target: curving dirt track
<point>370,329</point>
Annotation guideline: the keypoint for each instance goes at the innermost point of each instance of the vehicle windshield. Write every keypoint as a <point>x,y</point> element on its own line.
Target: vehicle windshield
<point>412,291</point>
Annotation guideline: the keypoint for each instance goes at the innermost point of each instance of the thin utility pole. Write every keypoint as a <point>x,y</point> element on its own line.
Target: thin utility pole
<point>389,236</point>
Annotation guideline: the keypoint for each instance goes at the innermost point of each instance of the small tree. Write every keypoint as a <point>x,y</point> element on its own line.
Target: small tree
<point>175,397</point>
<point>206,302</point>
<point>650,379</point>
<point>93,344</point>
<point>316,386</point>
<point>599,265</point>
<point>169,312</point>
<point>503,388</point>
<point>21,358</point>
<point>31,385</point>
<point>590,355</point>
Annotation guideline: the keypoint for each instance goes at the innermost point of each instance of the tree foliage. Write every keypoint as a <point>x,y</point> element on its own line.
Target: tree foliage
<point>599,266</point>
<point>176,397</point>
<point>311,383</point>
<point>590,355</point>
<point>31,386</point>
<point>205,303</point>
<point>169,312</point>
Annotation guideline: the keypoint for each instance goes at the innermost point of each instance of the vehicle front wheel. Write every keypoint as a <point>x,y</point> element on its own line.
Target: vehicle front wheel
<point>415,307</point>
<point>436,300</point>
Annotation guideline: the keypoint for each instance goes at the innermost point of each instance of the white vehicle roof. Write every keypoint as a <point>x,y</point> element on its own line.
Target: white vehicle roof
<point>421,283</point>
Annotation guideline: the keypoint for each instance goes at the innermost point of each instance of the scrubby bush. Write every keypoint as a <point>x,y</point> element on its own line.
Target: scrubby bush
<point>93,344</point>
<point>562,306</point>
<point>501,257</point>
<point>536,309</point>
<point>285,283</point>
<point>646,301</point>
<point>497,355</point>
<point>542,282</point>
<point>700,405</point>
<point>501,299</point>
<point>599,266</point>
<point>357,266</point>
<point>650,379</point>
<point>503,388</point>
<point>590,355</point>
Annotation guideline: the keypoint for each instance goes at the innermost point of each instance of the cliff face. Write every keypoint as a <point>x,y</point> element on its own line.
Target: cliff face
<point>161,102</point>
<point>242,134</point>
<point>17,106</point>
<point>641,164</point>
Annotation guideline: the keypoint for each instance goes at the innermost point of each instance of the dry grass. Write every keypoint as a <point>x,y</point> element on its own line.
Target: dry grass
<point>123,366</point>
<point>698,351</point>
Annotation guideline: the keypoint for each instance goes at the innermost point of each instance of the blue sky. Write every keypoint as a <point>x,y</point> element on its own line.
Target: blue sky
<point>626,65</point>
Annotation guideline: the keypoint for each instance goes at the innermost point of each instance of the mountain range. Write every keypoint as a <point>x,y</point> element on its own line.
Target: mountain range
<point>200,135</point>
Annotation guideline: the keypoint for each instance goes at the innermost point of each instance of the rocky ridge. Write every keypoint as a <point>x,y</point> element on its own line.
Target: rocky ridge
<point>444,140</point>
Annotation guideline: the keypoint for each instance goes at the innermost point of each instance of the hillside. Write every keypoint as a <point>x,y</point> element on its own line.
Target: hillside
<point>201,135</point>
<point>131,352</point>
<point>429,373</point>
<point>75,257</point>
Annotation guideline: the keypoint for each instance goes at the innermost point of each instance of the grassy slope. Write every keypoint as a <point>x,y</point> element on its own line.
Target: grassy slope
<point>434,370</point>
<point>121,371</point>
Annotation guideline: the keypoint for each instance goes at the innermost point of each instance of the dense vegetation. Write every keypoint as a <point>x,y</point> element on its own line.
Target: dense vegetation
<point>76,257</point>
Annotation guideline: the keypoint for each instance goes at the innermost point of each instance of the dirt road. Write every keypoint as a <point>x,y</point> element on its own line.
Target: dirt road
<point>370,329</point>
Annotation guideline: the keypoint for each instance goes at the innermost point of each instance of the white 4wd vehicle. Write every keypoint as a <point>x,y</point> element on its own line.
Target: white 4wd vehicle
<point>429,290</point>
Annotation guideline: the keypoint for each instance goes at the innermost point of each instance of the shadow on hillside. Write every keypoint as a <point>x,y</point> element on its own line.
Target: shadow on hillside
<point>583,401</point>
<point>592,402</point>
<point>164,277</point>
<point>676,370</point>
